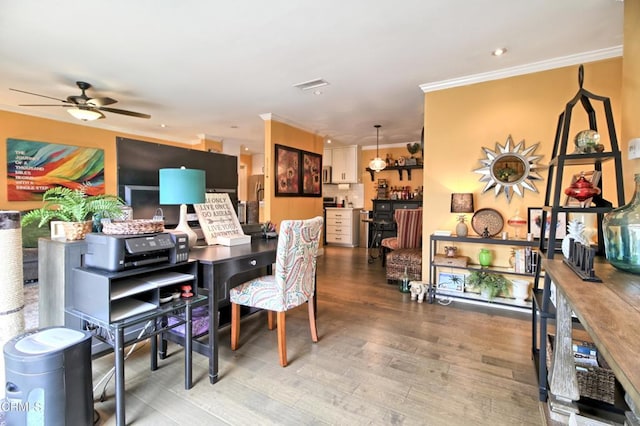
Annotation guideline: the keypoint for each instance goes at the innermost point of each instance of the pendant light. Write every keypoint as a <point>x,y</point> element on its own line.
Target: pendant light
<point>377,163</point>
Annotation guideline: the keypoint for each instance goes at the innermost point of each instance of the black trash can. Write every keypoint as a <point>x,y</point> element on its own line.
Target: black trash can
<point>48,378</point>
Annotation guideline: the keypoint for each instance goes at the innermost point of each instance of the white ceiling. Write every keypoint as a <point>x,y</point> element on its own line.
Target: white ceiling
<point>213,67</point>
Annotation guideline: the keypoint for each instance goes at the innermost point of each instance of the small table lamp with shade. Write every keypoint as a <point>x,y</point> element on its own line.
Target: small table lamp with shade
<point>183,186</point>
<point>461,203</point>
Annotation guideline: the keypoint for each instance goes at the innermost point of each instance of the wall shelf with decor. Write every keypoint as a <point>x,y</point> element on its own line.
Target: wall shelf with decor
<point>440,269</point>
<point>400,170</point>
<point>587,157</point>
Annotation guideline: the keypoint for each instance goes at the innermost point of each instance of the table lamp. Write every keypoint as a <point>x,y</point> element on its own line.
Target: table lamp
<point>183,186</point>
<point>461,203</point>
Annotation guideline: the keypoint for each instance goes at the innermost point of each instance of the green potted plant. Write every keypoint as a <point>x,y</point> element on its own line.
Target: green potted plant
<point>75,209</point>
<point>489,284</point>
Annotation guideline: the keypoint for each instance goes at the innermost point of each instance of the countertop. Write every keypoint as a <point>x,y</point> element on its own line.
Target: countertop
<point>344,208</point>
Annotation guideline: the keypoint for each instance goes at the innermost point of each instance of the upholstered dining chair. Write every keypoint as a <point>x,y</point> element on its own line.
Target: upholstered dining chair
<point>405,248</point>
<point>292,284</point>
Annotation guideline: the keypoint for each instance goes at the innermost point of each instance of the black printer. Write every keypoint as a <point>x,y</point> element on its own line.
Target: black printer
<point>120,252</point>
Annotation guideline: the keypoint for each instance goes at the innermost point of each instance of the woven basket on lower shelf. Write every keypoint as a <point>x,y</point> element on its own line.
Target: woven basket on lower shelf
<point>595,383</point>
<point>131,227</point>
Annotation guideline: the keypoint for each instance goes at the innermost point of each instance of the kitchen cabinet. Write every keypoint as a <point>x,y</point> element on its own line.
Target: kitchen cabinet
<point>342,226</point>
<point>345,164</point>
<point>257,164</point>
<point>327,157</point>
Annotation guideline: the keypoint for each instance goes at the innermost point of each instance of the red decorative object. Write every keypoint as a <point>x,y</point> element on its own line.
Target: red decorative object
<point>516,222</point>
<point>186,291</point>
<point>582,190</point>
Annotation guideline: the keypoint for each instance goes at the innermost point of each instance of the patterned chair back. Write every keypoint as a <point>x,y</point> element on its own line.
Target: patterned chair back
<point>409,223</point>
<point>298,242</point>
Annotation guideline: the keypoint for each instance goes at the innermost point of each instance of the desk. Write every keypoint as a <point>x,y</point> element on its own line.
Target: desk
<point>610,313</point>
<point>218,265</point>
<point>116,329</point>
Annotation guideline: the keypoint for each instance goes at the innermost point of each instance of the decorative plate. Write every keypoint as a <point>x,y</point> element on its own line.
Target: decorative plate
<point>487,218</point>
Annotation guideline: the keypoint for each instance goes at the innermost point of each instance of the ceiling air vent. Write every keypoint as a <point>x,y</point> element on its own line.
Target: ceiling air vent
<point>312,84</point>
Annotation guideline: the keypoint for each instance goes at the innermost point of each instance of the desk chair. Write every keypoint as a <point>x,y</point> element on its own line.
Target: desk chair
<point>292,284</point>
<point>404,250</point>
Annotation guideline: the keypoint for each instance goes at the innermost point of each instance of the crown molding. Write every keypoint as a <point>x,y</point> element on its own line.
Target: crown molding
<point>271,116</point>
<point>564,61</point>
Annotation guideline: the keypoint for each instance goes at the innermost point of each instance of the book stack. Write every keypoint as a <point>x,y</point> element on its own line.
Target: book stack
<point>585,355</point>
<point>526,260</point>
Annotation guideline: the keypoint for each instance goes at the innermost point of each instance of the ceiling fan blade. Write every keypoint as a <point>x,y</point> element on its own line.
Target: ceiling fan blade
<point>42,96</point>
<point>102,101</point>
<point>124,112</point>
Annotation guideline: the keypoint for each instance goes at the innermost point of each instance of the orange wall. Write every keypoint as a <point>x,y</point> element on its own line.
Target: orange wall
<point>19,126</point>
<point>631,87</point>
<point>245,160</point>
<point>460,121</point>
<point>279,208</point>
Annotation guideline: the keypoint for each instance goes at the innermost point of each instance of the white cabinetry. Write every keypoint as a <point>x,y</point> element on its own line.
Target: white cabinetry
<point>345,164</point>
<point>257,164</point>
<point>326,157</point>
<point>342,226</point>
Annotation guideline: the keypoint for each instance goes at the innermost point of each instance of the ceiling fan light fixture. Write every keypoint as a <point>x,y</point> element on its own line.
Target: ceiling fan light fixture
<point>85,114</point>
<point>499,51</point>
<point>377,163</point>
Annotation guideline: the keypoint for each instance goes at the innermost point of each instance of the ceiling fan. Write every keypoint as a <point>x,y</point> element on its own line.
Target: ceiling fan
<point>83,107</point>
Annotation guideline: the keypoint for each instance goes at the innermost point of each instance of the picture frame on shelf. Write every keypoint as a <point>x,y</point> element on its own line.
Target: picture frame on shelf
<point>451,282</point>
<point>534,222</point>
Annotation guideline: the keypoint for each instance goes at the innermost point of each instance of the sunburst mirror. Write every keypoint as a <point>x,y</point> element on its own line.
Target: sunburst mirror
<point>510,169</point>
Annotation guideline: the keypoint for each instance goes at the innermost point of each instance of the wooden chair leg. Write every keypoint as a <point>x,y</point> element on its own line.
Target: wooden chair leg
<point>235,325</point>
<point>271,320</point>
<point>312,319</point>
<point>282,338</point>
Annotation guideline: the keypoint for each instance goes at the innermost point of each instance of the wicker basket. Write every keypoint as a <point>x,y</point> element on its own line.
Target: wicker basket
<point>595,383</point>
<point>131,227</point>
<point>74,231</point>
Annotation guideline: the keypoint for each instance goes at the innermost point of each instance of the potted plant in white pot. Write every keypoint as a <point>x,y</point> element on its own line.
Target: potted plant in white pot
<point>75,209</point>
<point>489,284</point>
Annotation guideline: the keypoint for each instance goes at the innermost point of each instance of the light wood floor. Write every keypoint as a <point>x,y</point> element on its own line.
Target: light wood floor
<point>381,360</point>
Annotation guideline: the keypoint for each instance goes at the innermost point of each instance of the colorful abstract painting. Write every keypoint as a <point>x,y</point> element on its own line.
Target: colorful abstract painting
<point>34,167</point>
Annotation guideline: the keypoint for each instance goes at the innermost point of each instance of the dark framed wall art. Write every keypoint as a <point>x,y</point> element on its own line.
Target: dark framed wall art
<point>311,174</point>
<point>287,171</point>
<point>298,173</point>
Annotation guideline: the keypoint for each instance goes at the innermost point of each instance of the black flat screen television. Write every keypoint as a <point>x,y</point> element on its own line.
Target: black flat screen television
<point>145,202</point>
<point>138,176</point>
